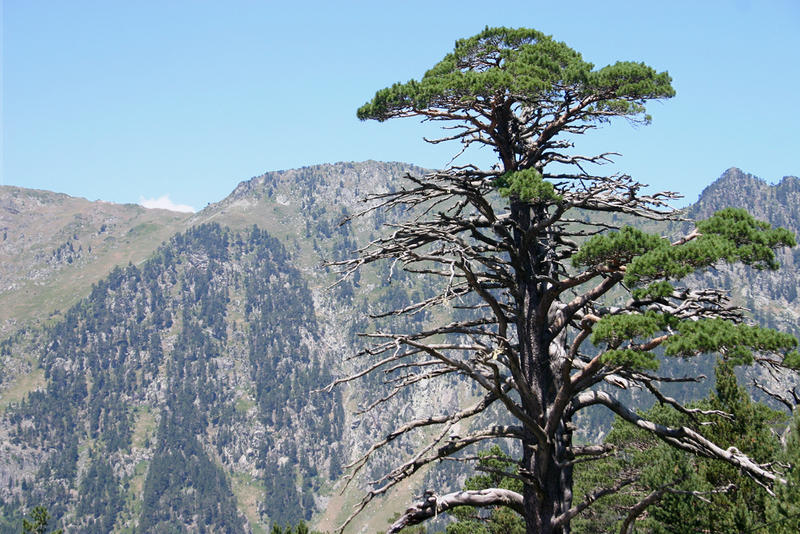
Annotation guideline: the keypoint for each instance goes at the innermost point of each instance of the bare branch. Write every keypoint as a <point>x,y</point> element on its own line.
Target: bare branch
<point>790,403</point>
<point>682,438</point>
<point>638,509</point>
<point>422,458</point>
<point>431,505</point>
<point>589,499</point>
<point>691,412</point>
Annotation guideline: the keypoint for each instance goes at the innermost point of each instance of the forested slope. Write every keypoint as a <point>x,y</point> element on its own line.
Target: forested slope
<point>167,379</point>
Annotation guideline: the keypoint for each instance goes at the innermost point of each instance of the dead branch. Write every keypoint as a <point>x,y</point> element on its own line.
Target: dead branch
<point>432,505</point>
<point>682,438</point>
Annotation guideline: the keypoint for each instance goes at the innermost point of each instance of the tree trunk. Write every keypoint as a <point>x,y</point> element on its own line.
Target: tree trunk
<point>553,496</point>
<point>549,494</point>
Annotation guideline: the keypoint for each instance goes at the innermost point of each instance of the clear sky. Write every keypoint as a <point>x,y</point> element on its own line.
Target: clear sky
<point>127,101</point>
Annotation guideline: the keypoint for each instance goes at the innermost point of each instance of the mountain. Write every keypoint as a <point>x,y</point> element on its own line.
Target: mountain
<point>772,294</point>
<point>191,365</point>
<point>199,359</point>
<point>168,370</point>
<point>54,247</point>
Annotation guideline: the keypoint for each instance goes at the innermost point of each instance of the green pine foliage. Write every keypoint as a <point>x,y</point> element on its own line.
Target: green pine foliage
<point>38,522</point>
<point>652,265</point>
<point>614,329</point>
<point>703,495</point>
<point>617,247</point>
<point>527,185</point>
<point>735,341</point>
<point>299,528</point>
<point>731,235</point>
<point>532,64</point>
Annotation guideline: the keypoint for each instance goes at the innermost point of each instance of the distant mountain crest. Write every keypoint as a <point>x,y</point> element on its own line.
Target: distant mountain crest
<point>54,246</point>
<point>779,204</point>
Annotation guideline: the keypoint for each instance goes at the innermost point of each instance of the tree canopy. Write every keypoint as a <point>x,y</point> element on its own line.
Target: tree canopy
<point>560,305</point>
<point>517,90</point>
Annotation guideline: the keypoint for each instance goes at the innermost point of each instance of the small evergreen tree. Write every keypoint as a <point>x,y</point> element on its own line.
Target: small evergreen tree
<point>783,513</point>
<point>37,524</point>
<point>677,492</point>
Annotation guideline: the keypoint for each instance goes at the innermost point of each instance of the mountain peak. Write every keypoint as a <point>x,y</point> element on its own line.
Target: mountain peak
<point>738,189</point>
<point>280,200</point>
<point>735,175</point>
<point>789,182</point>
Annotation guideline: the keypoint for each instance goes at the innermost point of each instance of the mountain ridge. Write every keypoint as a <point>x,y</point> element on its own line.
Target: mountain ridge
<point>191,290</point>
<point>55,245</point>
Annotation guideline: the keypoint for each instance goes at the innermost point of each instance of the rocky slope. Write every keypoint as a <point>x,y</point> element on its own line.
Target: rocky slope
<point>188,331</point>
<point>138,378</point>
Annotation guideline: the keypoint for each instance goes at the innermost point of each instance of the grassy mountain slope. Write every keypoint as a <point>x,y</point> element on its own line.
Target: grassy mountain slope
<point>53,247</point>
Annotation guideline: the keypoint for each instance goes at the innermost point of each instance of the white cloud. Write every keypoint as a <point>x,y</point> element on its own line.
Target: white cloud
<point>164,203</point>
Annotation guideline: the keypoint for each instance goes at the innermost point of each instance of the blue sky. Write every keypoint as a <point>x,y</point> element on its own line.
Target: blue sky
<point>124,101</point>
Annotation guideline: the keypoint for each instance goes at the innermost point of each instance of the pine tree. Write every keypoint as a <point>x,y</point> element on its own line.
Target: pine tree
<point>38,522</point>
<point>529,247</point>
<point>683,492</point>
<point>783,514</point>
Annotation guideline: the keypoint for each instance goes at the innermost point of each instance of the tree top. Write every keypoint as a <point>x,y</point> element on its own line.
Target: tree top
<point>522,66</point>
